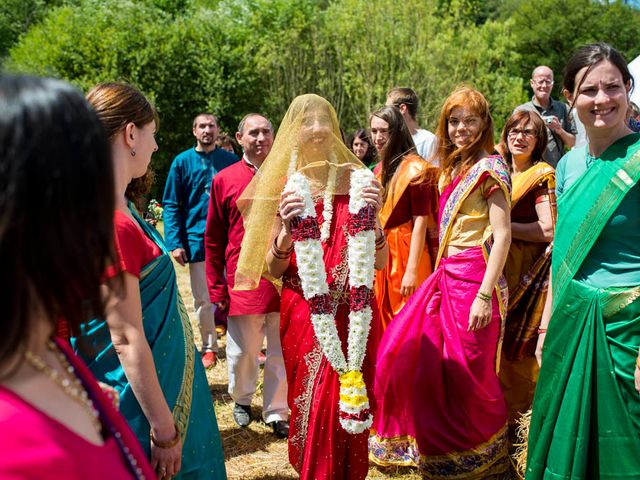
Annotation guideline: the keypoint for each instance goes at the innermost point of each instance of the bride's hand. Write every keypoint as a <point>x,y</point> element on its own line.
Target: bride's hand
<point>373,194</point>
<point>291,206</point>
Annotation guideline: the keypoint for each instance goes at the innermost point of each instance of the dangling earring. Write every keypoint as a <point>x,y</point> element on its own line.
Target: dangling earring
<point>133,152</point>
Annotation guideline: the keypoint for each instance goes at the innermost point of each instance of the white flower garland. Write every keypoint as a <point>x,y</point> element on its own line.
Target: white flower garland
<point>354,414</point>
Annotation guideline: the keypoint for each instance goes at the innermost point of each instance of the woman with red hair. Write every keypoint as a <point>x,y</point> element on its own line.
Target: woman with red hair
<point>440,406</point>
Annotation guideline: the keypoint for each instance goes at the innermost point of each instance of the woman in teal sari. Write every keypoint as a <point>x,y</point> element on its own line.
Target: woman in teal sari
<point>144,348</point>
<point>586,410</point>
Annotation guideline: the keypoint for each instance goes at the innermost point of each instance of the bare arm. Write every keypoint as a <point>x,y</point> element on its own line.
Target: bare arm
<point>277,266</point>
<point>499,218</point>
<point>540,231</point>
<point>124,318</point>
<point>418,236</point>
<point>568,138</point>
<point>544,322</point>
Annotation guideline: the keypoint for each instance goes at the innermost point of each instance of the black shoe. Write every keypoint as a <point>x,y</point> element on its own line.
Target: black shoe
<point>280,428</point>
<point>242,414</point>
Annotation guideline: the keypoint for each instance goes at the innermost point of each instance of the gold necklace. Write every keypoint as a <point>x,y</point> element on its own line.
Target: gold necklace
<point>72,388</point>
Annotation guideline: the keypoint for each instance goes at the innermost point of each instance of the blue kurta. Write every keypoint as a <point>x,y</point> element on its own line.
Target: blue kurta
<point>186,198</point>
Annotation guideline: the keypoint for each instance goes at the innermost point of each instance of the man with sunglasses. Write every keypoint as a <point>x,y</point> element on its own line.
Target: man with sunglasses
<point>561,128</point>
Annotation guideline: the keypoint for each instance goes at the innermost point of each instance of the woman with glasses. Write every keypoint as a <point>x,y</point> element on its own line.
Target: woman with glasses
<point>527,268</point>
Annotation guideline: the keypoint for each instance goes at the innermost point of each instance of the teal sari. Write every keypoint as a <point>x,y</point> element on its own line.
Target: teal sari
<point>178,366</point>
<point>586,411</point>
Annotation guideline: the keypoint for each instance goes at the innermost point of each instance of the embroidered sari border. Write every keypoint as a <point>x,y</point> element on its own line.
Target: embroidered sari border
<point>475,463</point>
<point>495,166</point>
<point>608,183</point>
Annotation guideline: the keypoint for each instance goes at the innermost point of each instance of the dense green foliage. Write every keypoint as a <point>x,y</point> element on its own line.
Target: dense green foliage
<point>236,56</point>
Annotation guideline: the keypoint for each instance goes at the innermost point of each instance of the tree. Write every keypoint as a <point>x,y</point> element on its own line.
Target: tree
<point>17,16</point>
<point>378,45</point>
<point>139,43</point>
<point>548,32</point>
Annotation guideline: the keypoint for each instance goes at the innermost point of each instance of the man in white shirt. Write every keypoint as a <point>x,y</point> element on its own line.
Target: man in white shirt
<point>406,100</point>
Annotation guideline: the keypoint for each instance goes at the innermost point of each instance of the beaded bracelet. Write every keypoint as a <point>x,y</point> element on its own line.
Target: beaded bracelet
<point>483,296</point>
<point>169,444</point>
<point>542,330</point>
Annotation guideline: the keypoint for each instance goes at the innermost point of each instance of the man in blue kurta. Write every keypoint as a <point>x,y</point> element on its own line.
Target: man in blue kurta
<point>185,202</point>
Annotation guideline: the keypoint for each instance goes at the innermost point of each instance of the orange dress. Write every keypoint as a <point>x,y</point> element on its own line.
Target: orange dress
<point>410,194</point>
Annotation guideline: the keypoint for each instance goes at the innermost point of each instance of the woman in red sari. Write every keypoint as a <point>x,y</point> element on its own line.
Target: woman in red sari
<point>409,212</point>
<point>440,406</point>
<point>309,142</point>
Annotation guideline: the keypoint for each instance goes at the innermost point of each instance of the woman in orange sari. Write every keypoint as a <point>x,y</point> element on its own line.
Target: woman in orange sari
<point>409,213</point>
<point>533,213</point>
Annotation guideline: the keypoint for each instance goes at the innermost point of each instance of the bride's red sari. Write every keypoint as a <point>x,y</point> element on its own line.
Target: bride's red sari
<point>319,448</point>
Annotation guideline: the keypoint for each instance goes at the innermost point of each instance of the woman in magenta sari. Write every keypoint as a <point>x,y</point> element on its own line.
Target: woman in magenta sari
<point>440,406</point>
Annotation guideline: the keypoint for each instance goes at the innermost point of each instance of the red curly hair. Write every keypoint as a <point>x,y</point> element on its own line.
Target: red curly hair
<point>450,156</point>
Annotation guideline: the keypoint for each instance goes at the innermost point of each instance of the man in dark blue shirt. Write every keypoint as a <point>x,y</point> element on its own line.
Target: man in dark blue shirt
<point>185,202</point>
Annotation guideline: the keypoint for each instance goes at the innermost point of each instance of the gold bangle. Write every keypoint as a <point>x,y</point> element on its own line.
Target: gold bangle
<point>638,362</point>
<point>280,253</point>
<point>169,444</point>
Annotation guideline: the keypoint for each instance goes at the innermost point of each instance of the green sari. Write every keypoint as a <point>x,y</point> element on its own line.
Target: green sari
<point>586,411</point>
<point>178,367</point>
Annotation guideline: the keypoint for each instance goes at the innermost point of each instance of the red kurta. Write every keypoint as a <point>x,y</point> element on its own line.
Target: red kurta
<point>319,449</point>
<point>222,240</point>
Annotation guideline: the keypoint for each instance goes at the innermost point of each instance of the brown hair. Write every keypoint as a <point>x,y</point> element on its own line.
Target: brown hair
<point>399,144</point>
<point>118,104</point>
<point>448,155</point>
<point>405,95</point>
<point>204,114</point>
<point>524,117</point>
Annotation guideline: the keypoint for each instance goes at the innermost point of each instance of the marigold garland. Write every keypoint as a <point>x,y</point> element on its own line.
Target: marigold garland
<point>354,414</point>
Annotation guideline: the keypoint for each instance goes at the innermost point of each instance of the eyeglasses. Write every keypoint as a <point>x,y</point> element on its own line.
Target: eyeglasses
<point>542,82</point>
<point>526,133</point>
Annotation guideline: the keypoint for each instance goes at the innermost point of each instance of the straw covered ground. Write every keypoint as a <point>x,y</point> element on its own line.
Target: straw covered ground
<point>253,453</point>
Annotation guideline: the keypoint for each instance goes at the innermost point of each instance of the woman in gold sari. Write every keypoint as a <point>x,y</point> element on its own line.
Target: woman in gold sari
<point>533,213</point>
<point>409,215</point>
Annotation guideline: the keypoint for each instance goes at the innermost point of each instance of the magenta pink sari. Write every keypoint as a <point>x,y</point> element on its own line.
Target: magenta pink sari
<point>439,402</point>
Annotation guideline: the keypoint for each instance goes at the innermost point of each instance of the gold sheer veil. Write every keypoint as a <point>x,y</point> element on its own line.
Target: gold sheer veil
<point>309,141</point>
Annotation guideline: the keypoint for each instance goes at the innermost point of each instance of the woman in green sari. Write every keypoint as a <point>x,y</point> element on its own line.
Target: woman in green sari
<point>586,410</point>
<point>144,346</point>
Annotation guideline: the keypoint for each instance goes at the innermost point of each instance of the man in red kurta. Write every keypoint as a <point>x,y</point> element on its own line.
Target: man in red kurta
<point>254,313</point>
